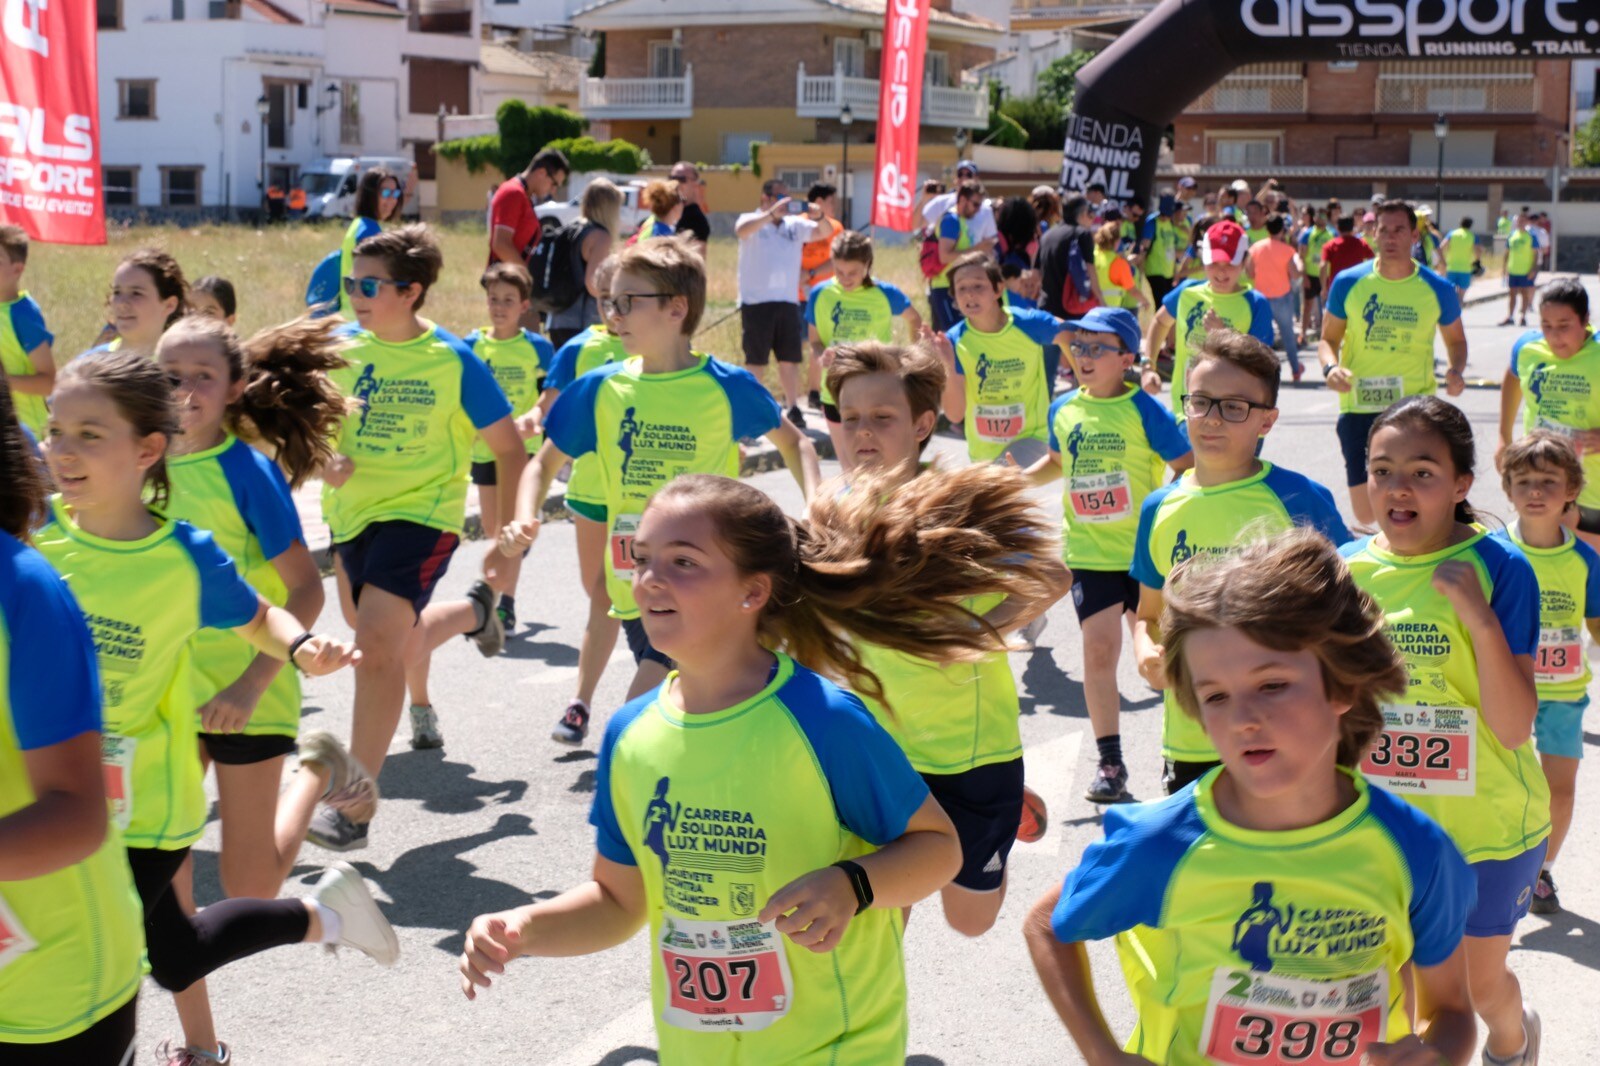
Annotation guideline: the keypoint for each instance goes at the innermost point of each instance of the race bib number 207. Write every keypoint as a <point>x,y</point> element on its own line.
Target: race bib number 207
<point>727,976</point>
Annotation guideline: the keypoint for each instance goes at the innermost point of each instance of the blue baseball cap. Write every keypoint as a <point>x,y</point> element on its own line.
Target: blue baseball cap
<point>1118,320</point>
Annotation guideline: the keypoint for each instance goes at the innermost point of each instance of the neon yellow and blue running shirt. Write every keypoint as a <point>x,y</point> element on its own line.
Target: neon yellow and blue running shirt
<point>1008,395</point>
<point>1245,310</point>
<point>22,330</point>
<point>519,364</point>
<point>242,499</point>
<point>420,405</point>
<point>718,812</point>
<point>594,347</point>
<point>1520,255</point>
<point>954,228</point>
<point>1388,334</point>
<point>1244,946</point>
<point>1562,396</point>
<point>1113,454</point>
<point>1313,240</point>
<point>1569,595</point>
<point>646,430</point>
<point>1182,519</point>
<point>72,940</point>
<point>143,600</point>
<point>1436,749</point>
<point>845,316</point>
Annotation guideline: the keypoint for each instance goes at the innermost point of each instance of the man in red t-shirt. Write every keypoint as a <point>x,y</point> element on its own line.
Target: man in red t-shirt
<point>1343,252</point>
<point>513,223</point>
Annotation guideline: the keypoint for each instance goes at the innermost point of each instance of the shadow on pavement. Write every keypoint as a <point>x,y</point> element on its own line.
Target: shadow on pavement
<point>1048,689</point>
<point>1569,934</point>
<point>523,645</point>
<point>444,787</point>
<point>626,1056</point>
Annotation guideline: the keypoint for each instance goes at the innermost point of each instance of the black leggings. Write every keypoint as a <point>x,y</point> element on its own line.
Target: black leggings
<point>182,949</point>
<point>108,1042</point>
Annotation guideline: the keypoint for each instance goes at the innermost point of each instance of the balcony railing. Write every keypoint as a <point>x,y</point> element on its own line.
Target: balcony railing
<point>822,96</point>
<point>1263,88</point>
<point>638,97</point>
<point>1490,87</point>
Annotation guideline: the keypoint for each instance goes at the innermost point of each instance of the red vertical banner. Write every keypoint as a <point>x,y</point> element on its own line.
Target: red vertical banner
<point>905,43</point>
<point>49,125</point>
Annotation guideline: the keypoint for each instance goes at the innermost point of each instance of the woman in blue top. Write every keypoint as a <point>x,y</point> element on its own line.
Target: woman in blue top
<point>379,198</point>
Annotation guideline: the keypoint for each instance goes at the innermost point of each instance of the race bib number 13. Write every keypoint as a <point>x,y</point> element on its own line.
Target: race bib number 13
<point>724,976</point>
<point>1258,1019</point>
<point>1560,656</point>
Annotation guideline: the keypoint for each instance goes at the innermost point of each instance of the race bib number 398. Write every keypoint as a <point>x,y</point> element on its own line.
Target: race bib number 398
<point>1257,1019</point>
<point>728,976</point>
<point>1425,750</point>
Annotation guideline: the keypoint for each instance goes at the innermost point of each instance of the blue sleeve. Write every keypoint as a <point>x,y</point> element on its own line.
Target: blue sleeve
<point>1513,594</point>
<point>1308,503</point>
<point>471,339</point>
<point>874,788</point>
<point>1168,436</point>
<point>950,226</point>
<point>608,838</point>
<point>755,412</point>
<point>570,425</point>
<point>28,323</point>
<point>1591,585</point>
<point>1055,408</point>
<point>564,367</point>
<point>367,227</point>
<point>542,348</point>
<point>1339,290</point>
<point>58,696</point>
<point>811,302</point>
<point>261,493</point>
<point>1149,233</point>
<point>899,302</point>
<point>1445,293</point>
<point>325,281</point>
<point>1040,326</point>
<point>1522,341</point>
<point>1124,879</point>
<point>1260,317</point>
<point>481,396</point>
<point>1444,890</point>
<point>1144,569</point>
<point>226,599</point>
<point>1169,302</point>
<point>955,333</point>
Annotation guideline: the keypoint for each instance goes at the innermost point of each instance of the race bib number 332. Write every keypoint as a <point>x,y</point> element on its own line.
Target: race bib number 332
<point>1426,750</point>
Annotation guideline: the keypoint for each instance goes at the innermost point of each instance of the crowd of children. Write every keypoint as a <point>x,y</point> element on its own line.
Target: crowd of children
<point>1370,746</point>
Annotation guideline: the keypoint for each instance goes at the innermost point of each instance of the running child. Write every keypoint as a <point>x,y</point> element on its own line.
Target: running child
<point>852,306</point>
<point>1281,909</point>
<point>395,491</point>
<point>148,294</point>
<point>1312,240</point>
<point>1228,497</point>
<point>73,940</point>
<point>1196,309</point>
<point>956,722</point>
<point>820,829</point>
<point>213,297</point>
<point>25,353</point>
<point>1459,255</point>
<point>998,380</point>
<point>519,359</point>
<point>667,411</point>
<point>1463,610</point>
<point>1542,477</point>
<point>1110,443</point>
<point>147,584</point>
<point>585,500</point>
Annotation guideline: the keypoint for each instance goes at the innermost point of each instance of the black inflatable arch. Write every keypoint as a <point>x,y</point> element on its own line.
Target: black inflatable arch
<point>1130,93</point>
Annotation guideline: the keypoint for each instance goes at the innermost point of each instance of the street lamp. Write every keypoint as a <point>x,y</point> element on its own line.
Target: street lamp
<point>1441,130</point>
<point>846,117</point>
<point>263,108</point>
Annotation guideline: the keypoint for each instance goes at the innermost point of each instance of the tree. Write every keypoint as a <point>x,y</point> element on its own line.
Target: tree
<point>1586,147</point>
<point>1058,80</point>
<point>1042,119</point>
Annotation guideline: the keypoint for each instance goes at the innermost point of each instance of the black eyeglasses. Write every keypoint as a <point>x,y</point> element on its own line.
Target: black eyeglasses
<point>1085,350</point>
<point>1198,405</point>
<point>370,287</point>
<point>622,306</point>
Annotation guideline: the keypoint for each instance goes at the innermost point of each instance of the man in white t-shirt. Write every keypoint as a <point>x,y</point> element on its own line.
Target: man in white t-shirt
<point>982,227</point>
<point>771,241</point>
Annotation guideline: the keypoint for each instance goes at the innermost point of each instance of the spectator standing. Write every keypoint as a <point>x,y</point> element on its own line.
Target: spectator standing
<point>771,242</point>
<point>982,226</point>
<point>1067,254</point>
<point>958,234</point>
<point>1274,268</point>
<point>693,192</point>
<point>816,265</point>
<point>600,216</point>
<point>513,220</point>
<point>1343,252</point>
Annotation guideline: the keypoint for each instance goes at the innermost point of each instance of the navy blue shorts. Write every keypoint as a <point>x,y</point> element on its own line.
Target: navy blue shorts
<point>639,644</point>
<point>1095,590</point>
<point>1353,430</point>
<point>402,558</point>
<point>985,805</point>
<point>1505,890</point>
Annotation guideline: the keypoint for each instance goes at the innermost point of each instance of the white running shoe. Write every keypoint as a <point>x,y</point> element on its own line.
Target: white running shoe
<point>350,790</point>
<point>361,924</point>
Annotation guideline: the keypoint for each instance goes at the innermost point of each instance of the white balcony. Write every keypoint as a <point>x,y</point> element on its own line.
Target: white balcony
<point>611,98</point>
<point>822,96</point>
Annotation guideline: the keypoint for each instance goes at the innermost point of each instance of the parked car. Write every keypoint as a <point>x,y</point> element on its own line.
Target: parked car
<point>564,211</point>
<point>330,184</point>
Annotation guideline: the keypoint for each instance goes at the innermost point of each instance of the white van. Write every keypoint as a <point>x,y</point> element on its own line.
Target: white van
<point>330,184</point>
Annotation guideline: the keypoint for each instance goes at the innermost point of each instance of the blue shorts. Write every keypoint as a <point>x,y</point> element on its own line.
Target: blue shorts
<point>1558,729</point>
<point>1505,888</point>
<point>1461,279</point>
<point>402,558</point>
<point>985,805</point>
<point>639,644</point>
<point>1353,429</point>
<point>1520,281</point>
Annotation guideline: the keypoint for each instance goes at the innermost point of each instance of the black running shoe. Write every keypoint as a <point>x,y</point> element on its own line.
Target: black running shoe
<point>1545,900</point>
<point>574,724</point>
<point>1110,784</point>
<point>797,416</point>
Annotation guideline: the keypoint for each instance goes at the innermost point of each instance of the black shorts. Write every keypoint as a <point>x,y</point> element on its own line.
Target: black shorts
<point>639,644</point>
<point>1312,286</point>
<point>1095,590</point>
<point>240,749</point>
<point>1588,520</point>
<point>1159,287</point>
<point>402,558</point>
<point>768,329</point>
<point>831,413</point>
<point>109,1042</point>
<point>483,473</point>
<point>1354,429</point>
<point>985,804</point>
<point>1176,775</point>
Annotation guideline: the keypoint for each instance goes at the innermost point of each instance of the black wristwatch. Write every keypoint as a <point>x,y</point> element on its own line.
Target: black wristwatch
<point>294,646</point>
<point>858,882</point>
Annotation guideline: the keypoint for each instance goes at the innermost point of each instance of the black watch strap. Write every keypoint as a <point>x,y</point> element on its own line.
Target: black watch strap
<point>294,646</point>
<point>858,882</point>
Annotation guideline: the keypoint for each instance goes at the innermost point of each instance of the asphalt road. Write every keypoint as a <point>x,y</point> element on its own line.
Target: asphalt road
<point>499,818</point>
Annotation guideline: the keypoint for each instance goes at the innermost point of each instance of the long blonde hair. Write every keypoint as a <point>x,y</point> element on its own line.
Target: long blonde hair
<point>601,204</point>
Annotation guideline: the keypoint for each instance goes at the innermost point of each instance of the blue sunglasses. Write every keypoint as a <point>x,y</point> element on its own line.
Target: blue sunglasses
<point>370,287</point>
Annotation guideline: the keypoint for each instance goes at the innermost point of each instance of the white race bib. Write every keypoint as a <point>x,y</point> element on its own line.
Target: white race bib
<point>1560,655</point>
<point>1431,751</point>
<point>999,423</point>
<point>14,940</point>
<point>1559,429</point>
<point>1262,1019</point>
<point>116,759</point>
<point>1378,394</point>
<point>624,527</point>
<point>724,976</point>
<point>1100,497</point>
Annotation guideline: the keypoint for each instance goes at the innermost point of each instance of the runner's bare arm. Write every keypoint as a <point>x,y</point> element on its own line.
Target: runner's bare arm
<point>43,378</point>
<point>1328,350</point>
<point>1147,649</point>
<point>66,821</point>
<point>1014,612</point>
<point>274,630</point>
<point>1510,403</point>
<point>1064,971</point>
<point>510,459</point>
<point>1450,1030</point>
<point>537,477</point>
<point>1046,470</point>
<point>1506,680</point>
<point>799,455</point>
<point>1160,326</point>
<point>1455,347</point>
